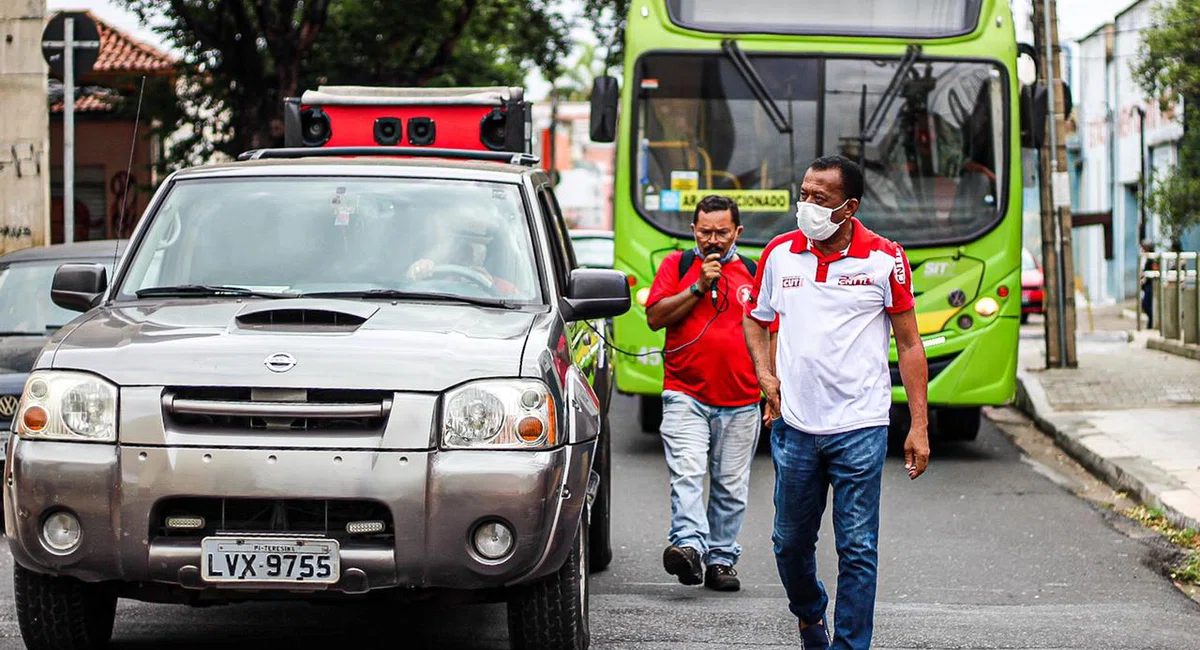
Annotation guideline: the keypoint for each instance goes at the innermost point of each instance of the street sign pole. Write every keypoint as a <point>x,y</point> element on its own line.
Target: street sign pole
<point>70,46</point>
<point>69,130</point>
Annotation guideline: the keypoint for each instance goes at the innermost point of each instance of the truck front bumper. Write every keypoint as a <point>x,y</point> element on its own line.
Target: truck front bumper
<point>435,500</point>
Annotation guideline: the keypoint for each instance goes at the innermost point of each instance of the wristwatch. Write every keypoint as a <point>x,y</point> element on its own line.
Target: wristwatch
<point>696,290</point>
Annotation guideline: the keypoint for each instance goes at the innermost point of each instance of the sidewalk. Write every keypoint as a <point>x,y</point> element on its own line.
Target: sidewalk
<point>1129,414</point>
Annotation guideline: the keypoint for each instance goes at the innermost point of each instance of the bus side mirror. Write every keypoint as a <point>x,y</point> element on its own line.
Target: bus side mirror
<point>1034,111</point>
<point>605,98</point>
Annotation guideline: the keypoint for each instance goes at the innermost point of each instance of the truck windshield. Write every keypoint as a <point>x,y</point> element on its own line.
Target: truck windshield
<point>933,166</point>
<point>294,235</point>
<point>911,18</point>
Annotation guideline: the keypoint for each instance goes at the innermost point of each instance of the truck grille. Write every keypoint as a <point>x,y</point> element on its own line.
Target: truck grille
<point>278,409</point>
<point>327,517</point>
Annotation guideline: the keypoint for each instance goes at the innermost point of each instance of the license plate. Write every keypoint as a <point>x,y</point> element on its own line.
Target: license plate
<point>269,560</point>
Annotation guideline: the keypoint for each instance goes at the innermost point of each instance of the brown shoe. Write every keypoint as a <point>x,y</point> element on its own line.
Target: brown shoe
<point>683,562</point>
<point>721,577</point>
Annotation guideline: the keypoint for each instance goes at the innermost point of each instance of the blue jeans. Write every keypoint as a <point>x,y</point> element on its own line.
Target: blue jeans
<point>719,441</point>
<point>806,466</point>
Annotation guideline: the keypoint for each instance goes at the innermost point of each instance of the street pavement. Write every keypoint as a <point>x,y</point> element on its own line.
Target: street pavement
<point>987,550</point>
<point>1128,413</point>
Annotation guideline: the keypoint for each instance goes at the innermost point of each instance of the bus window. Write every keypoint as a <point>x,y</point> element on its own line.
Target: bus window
<point>932,168</point>
<point>915,18</point>
<point>701,129</point>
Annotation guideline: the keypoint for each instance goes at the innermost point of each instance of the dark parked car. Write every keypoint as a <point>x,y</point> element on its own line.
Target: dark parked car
<point>337,377</point>
<point>28,317</point>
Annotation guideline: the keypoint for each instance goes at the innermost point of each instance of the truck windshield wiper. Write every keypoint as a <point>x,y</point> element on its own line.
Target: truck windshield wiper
<point>205,290</point>
<point>750,75</point>
<point>397,294</point>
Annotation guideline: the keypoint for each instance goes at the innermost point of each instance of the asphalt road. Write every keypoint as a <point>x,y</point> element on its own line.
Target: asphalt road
<point>984,551</point>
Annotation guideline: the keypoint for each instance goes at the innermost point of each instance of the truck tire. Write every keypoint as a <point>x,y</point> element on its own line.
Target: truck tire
<point>650,409</point>
<point>600,521</point>
<point>58,613</point>
<point>959,423</point>
<point>553,614</point>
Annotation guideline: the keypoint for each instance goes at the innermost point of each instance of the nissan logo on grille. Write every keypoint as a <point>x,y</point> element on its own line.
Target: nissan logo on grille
<point>8,405</point>
<point>280,362</point>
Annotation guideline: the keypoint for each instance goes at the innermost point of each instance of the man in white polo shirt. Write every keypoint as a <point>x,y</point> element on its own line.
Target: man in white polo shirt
<point>835,287</point>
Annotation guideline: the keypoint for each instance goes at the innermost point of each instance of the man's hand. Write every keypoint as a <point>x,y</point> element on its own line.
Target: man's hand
<point>770,388</point>
<point>916,451</point>
<point>710,271</point>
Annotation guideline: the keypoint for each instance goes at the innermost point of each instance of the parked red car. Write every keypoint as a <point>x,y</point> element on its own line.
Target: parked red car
<point>1032,290</point>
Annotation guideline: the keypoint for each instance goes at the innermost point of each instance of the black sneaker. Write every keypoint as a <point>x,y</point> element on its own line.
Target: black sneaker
<point>683,562</point>
<point>815,636</point>
<point>721,577</point>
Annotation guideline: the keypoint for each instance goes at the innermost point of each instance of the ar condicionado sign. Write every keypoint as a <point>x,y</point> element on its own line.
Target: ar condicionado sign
<point>747,200</point>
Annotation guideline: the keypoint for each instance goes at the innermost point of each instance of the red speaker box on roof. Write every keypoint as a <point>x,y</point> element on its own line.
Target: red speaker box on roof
<point>476,119</point>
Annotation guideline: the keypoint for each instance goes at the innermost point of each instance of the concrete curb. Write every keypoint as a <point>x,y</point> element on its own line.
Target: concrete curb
<point>1186,350</point>
<point>1073,434</point>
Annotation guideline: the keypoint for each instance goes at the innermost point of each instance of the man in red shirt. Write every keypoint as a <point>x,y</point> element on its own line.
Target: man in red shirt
<point>711,396</point>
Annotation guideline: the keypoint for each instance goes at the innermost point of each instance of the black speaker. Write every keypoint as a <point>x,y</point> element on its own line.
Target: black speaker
<point>388,131</point>
<point>493,131</point>
<point>421,131</point>
<point>315,129</point>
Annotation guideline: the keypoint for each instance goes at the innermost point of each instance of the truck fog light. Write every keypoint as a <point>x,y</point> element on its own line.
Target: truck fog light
<point>61,531</point>
<point>185,522</point>
<point>367,527</point>
<point>493,540</point>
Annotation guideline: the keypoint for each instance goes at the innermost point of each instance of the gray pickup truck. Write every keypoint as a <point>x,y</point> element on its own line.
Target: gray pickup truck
<point>315,376</point>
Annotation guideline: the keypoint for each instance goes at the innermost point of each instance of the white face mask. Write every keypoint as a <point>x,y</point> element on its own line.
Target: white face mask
<point>816,221</point>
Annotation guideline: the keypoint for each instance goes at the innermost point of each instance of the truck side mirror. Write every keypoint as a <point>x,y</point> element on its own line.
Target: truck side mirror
<point>78,287</point>
<point>606,96</point>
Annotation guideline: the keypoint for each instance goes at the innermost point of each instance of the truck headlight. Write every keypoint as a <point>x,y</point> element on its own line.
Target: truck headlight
<point>61,405</point>
<point>503,414</point>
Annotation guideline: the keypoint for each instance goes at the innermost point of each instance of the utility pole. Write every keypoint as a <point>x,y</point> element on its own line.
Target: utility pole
<point>1057,249</point>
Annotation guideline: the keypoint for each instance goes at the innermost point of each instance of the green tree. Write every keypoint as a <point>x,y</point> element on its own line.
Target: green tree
<point>242,57</point>
<point>1168,70</point>
<point>608,24</point>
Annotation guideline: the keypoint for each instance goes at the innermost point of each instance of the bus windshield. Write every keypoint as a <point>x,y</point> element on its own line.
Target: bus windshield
<point>933,162</point>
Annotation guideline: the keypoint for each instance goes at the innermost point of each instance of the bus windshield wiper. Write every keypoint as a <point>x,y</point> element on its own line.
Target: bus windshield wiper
<point>869,128</point>
<point>397,294</point>
<point>205,290</point>
<point>750,75</point>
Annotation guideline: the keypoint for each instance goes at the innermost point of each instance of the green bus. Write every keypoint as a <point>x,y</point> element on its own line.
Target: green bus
<point>738,99</point>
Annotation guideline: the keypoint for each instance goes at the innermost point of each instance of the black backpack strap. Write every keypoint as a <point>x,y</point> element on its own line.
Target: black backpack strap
<point>686,261</point>
<point>750,265</point>
<point>689,258</point>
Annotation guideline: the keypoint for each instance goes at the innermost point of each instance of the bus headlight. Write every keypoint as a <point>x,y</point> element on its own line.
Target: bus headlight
<point>643,295</point>
<point>987,306</point>
<point>60,405</point>
<point>499,414</point>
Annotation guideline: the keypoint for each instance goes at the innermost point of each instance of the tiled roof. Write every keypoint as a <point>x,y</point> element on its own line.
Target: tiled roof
<point>96,103</point>
<point>120,52</point>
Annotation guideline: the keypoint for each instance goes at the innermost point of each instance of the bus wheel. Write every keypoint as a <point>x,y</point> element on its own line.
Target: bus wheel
<point>650,413</point>
<point>959,423</point>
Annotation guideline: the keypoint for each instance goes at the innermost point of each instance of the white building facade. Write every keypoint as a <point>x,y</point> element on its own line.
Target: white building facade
<point>1120,133</point>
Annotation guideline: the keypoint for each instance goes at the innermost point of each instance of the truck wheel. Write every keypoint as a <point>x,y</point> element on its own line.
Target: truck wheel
<point>553,614</point>
<point>600,528</point>
<point>959,423</point>
<point>650,413</point>
<point>58,613</point>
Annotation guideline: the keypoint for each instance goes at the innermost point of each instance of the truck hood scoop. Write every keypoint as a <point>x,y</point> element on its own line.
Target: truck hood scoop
<point>305,314</point>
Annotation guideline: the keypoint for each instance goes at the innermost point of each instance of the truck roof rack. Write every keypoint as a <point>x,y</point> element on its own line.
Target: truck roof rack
<point>523,159</point>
